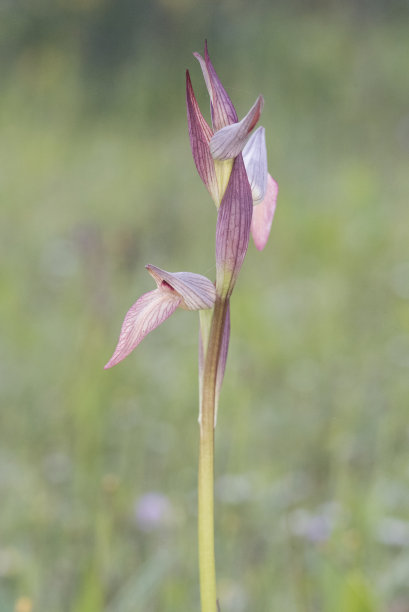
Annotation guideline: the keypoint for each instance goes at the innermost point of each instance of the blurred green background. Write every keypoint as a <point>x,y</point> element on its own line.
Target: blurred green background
<point>98,469</point>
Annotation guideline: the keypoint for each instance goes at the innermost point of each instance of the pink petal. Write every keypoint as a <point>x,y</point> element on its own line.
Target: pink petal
<point>263,215</point>
<point>145,315</point>
<point>200,135</point>
<point>233,228</point>
<point>222,109</point>
<point>255,161</point>
<point>230,140</point>
<point>197,291</point>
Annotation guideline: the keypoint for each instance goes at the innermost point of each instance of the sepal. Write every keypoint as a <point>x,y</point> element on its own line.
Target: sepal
<point>229,141</point>
<point>233,229</point>
<point>221,107</point>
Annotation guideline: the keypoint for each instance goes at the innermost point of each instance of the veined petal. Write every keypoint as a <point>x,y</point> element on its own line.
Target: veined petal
<point>222,109</point>
<point>200,134</point>
<point>221,365</point>
<point>255,161</point>
<point>196,291</point>
<point>233,229</point>
<point>229,141</point>
<point>145,315</point>
<point>263,215</point>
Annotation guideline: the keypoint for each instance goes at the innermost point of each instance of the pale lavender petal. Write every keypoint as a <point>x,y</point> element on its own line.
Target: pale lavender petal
<point>197,291</point>
<point>221,366</point>
<point>255,161</point>
<point>145,315</point>
<point>229,141</point>
<point>263,215</point>
<point>222,109</point>
<point>233,228</point>
<point>199,135</point>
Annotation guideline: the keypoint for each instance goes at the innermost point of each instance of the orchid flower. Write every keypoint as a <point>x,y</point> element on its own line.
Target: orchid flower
<point>231,159</point>
<point>179,289</point>
<point>214,149</point>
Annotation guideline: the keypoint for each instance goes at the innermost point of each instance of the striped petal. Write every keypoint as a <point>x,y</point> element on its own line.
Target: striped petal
<point>222,109</point>
<point>144,316</point>
<point>263,215</point>
<point>196,291</point>
<point>229,141</point>
<point>233,229</point>
<point>200,135</point>
<point>255,161</point>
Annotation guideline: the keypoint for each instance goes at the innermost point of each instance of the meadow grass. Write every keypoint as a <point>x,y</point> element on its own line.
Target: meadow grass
<point>312,478</point>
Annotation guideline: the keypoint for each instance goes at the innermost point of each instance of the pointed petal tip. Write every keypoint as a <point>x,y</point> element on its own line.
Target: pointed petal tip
<point>230,140</point>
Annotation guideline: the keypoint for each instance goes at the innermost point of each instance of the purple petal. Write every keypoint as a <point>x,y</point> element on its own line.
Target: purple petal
<point>145,315</point>
<point>222,109</point>
<point>230,140</point>
<point>233,228</point>
<point>263,215</point>
<point>197,291</point>
<point>221,365</point>
<point>200,135</point>
<point>255,161</point>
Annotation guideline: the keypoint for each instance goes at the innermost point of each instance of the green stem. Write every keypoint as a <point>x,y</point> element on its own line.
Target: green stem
<point>207,569</point>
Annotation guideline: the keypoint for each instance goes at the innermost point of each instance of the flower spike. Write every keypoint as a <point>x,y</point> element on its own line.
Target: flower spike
<point>184,289</point>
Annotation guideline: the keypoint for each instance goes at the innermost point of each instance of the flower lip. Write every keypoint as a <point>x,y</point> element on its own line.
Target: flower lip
<point>263,215</point>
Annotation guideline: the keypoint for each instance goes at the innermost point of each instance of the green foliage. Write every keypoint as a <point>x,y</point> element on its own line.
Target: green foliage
<point>311,457</point>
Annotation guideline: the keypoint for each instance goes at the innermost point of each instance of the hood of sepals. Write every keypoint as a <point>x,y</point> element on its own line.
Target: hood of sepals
<point>229,134</point>
<point>195,291</point>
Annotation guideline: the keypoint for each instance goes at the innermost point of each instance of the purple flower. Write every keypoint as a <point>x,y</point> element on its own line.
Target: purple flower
<point>179,289</point>
<point>214,149</point>
<point>152,511</point>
